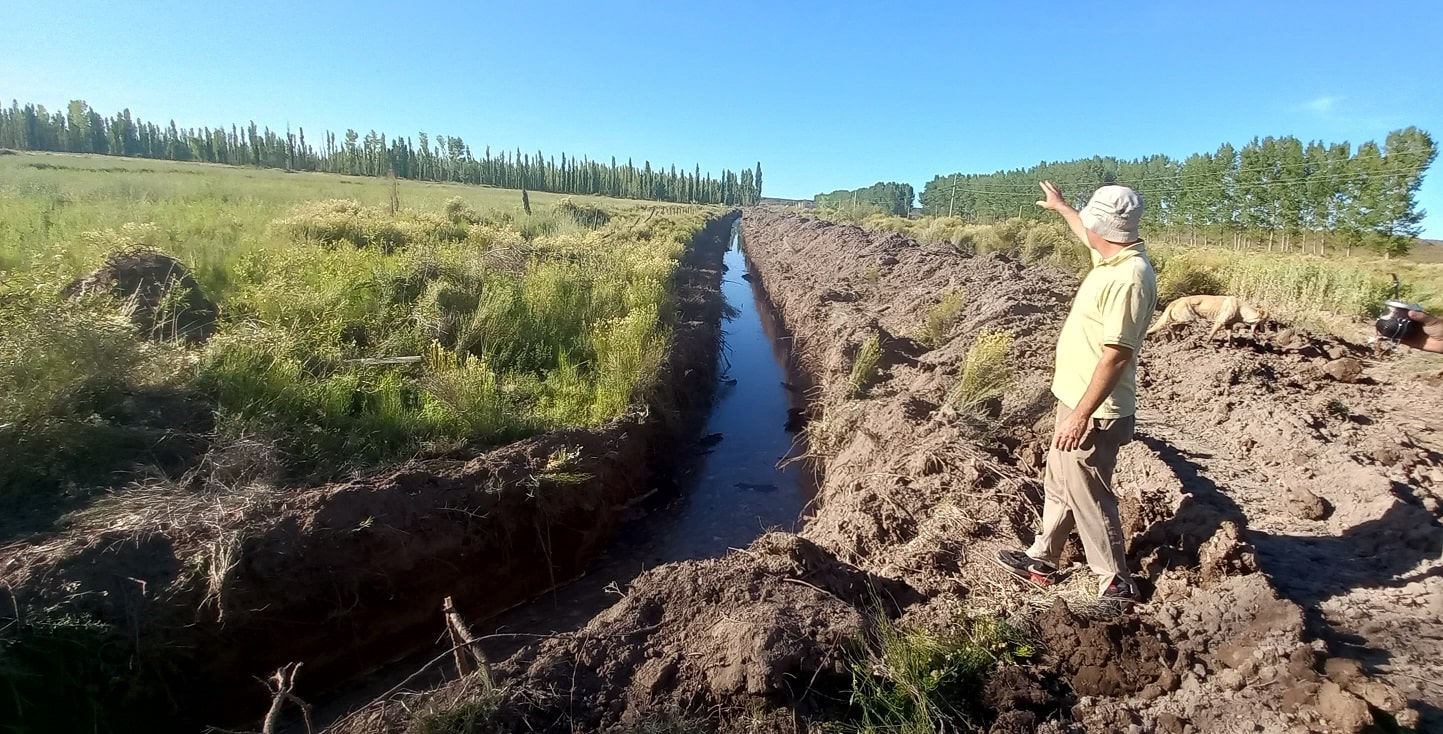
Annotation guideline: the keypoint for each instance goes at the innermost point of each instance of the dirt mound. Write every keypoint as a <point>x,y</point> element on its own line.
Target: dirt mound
<point>764,626</point>
<point>163,299</point>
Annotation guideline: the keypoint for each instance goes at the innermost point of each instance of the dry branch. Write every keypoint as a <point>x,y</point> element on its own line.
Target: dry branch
<point>282,683</point>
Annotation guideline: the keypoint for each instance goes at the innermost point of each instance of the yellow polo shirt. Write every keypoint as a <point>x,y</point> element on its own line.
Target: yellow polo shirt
<point>1113,305</point>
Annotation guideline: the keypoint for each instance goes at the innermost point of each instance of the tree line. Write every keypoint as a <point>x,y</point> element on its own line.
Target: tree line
<point>1277,193</point>
<point>80,129</point>
<point>889,196</point>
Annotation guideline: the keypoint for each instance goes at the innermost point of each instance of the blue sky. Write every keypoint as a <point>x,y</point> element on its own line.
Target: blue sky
<point>825,94</point>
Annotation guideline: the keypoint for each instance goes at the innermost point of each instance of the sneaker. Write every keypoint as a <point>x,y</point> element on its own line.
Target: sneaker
<point>1122,591</point>
<point>1026,567</point>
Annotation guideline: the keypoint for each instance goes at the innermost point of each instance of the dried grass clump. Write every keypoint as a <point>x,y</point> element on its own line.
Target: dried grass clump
<point>864,366</point>
<point>986,372</point>
<point>941,317</point>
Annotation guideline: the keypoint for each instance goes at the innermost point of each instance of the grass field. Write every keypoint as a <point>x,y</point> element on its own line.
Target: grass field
<point>523,322</point>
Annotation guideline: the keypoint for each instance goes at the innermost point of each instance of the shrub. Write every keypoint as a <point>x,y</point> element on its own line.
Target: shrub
<point>476,711</point>
<point>864,366</point>
<point>66,368</point>
<point>457,211</point>
<point>941,316</point>
<point>336,221</point>
<point>986,371</point>
<point>1043,240</point>
<point>1180,276</point>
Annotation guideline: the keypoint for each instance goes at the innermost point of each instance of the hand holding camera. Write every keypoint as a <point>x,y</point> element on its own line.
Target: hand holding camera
<point>1405,323</point>
<point>1427,332</point>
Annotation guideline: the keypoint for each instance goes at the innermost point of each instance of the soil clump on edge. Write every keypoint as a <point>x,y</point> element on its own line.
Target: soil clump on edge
<point>161,297</point>
<point>186,598</point>
<point>1264,610</point>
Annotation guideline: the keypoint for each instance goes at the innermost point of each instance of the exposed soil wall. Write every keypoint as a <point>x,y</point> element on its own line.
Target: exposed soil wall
<point>1285,531</point>
<point>211,592</point>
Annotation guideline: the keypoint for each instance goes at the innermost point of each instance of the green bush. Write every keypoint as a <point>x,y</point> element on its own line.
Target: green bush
<point>941,316</point>
<point>336,221</point>
<point>584,215</point>
<point>66,369</point>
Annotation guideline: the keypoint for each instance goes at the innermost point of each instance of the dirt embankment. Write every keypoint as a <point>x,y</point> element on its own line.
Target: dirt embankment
<point>205,593</point>
<point>1283,526</point>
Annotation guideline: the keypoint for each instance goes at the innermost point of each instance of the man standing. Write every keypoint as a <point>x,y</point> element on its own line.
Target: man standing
<point>1094,381</point>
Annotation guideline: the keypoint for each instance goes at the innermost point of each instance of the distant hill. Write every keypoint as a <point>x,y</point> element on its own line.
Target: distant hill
<point>1427,251</point>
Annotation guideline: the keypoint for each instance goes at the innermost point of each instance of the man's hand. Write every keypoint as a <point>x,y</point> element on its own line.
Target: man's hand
<point>1053,198</point>
<point>1071,431</point>
<point>1429,338</point>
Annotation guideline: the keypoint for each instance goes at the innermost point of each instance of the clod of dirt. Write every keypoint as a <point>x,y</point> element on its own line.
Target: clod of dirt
<point>163,298</point>
<point>1342,709</point>
<point>1388,455</point>
<point>1344,369</point>
<point>1305,505</point>
<point>1225,554</point>
<point>1108,658</point>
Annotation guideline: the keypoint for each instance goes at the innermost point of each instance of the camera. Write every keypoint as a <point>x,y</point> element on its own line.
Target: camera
<point>1395,324</point>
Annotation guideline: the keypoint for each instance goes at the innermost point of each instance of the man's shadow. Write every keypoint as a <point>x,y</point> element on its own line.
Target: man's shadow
<point>1307,570</point>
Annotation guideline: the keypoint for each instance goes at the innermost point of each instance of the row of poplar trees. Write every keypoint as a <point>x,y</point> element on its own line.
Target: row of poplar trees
<point>889,196</point>
<point>80,129</point>
<point>1272,193</point>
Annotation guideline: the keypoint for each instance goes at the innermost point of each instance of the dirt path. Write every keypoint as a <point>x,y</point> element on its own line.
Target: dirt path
<point>1285,532</point>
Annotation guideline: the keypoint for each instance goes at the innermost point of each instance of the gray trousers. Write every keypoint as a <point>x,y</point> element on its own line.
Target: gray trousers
<point>1078,493</point>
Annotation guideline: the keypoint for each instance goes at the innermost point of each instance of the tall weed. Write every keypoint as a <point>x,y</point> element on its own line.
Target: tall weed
<point>986,371</point>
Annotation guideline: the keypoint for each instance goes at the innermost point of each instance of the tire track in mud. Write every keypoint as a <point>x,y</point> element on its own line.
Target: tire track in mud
<point>915,499</point>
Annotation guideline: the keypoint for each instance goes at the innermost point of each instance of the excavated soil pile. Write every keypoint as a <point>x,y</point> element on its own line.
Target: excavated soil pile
<point>1284,525</point>
<point>205,592</point>
<point>163,298</point>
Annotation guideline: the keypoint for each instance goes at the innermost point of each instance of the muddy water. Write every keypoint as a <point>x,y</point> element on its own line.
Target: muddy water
<point>735,484</point>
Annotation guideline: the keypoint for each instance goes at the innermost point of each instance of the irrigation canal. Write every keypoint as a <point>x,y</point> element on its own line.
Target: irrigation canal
<point>737,487</point>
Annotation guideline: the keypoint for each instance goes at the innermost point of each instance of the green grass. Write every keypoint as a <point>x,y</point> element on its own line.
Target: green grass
<point>1302,288</point>
<point>918,682</point>
<point>529,322</point>
<point>472,715</point>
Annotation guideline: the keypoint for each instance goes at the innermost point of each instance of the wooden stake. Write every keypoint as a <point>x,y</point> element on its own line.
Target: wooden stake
<point>469,657</point>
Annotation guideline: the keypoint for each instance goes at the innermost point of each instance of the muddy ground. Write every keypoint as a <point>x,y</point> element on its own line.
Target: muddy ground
<point>160,608</point>
<point>1282,510</point>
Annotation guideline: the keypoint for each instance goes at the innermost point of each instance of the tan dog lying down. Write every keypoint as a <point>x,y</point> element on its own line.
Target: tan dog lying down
<point>1223,311</point>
